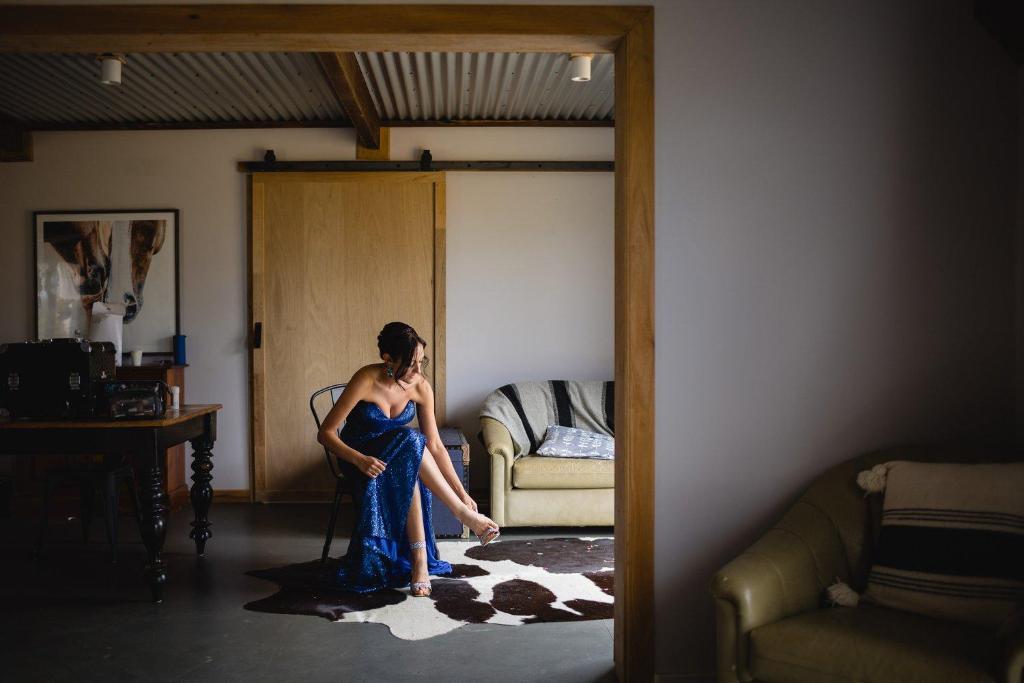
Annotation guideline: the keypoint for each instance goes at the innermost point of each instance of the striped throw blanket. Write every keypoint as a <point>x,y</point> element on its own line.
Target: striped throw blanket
<point>527,408</point>
<point>952,541</point>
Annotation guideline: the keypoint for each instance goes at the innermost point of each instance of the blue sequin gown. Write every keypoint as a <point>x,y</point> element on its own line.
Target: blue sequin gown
<point>378,553</point>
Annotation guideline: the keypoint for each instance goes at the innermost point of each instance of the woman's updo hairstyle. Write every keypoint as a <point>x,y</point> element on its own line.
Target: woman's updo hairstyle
<point>399,341</point>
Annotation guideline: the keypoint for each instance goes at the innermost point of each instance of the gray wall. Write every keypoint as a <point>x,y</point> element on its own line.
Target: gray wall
<point>835,261</point>
<point>1020,256</point>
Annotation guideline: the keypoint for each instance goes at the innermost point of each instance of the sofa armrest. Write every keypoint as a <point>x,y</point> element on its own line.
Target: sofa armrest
<point>498,442</point>
<point>782,574</point>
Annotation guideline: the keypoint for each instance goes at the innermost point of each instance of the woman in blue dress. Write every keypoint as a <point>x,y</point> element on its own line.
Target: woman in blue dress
<point>395,470</point>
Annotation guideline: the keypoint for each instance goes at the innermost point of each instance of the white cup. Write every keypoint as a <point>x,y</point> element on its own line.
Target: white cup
<point>137,357</point>
<point>175,397</point>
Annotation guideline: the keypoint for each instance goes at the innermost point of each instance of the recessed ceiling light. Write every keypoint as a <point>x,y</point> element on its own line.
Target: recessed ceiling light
<point>110,68</point>
<point>579,67</point>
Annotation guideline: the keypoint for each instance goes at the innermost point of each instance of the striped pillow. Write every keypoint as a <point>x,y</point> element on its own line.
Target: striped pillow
<point>951,543</point>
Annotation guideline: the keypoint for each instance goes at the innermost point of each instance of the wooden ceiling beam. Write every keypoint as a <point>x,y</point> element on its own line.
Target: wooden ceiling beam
<point>502,123</point>
<point>383,151</point>
<point>349,87</point>
<point>313,28</point>
<point>15,141</point>
<point>207,125</point>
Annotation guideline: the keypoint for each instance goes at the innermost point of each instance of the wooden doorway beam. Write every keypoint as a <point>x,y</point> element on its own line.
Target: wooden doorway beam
<point>634,351</point>
<point>341,69</point>
<point>15,141</point>
<point>626,31</point>
<point>312,28</point>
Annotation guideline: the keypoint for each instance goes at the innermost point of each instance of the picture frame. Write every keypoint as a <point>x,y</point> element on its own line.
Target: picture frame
<point>125,256</point>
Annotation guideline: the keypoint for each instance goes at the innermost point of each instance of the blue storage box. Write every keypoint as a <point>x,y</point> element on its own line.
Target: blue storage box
<point>445,523</point>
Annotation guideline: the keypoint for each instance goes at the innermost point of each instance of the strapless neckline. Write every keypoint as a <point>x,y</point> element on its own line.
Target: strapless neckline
<point>385,414</point>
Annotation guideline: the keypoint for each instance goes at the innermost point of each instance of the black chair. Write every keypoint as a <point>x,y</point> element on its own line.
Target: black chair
<point>103,478</point>
<point>342,484</point>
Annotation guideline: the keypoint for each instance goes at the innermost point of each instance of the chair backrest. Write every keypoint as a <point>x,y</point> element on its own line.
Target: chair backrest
<point>316,407</point>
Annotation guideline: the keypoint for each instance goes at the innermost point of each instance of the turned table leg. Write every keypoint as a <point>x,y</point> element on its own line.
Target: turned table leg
<point>202,492</point>
<point>154,526</point>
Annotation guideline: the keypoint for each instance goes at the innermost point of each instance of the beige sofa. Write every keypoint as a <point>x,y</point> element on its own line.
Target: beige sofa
<point>534,490</point>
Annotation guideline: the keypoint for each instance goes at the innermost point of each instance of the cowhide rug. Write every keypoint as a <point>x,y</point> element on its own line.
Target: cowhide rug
<point>505,582</point>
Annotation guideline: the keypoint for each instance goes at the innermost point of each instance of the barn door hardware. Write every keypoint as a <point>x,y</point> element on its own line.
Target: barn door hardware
<point>425,163</point>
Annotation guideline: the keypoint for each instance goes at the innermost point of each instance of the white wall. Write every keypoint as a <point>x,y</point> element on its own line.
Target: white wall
<point>834,226</point>
<point>530,255</point>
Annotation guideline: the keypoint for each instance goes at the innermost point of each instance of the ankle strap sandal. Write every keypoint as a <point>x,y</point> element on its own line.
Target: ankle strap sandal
<point>419,589</point>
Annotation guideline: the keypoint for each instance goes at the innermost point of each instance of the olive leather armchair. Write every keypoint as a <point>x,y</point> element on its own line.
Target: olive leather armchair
<point>774,623</point>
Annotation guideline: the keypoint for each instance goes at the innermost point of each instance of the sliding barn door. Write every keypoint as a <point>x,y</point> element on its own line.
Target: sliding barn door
<point>334,257</point>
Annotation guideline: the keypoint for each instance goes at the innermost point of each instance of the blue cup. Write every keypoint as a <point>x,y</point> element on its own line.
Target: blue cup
<point>179,349</point>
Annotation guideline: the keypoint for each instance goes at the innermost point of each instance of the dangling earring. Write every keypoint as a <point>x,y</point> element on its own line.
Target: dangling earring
<point>388,370</point>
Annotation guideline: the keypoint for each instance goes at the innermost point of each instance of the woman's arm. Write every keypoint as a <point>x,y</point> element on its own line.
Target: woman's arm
<point>428,425</point>
<point>356,389</point>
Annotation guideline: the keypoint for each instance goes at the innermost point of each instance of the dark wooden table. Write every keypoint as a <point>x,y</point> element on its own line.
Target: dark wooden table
<point>146,441</point>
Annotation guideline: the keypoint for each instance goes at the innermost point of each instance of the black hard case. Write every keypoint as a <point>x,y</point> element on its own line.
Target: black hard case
<point>54,378</point>
<point>135,398</point>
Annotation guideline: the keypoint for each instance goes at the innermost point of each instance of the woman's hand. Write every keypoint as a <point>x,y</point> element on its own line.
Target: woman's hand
<point>469,501</point>
<point>371,466</point>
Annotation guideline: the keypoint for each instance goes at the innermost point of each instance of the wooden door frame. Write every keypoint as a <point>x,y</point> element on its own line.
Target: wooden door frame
<point>628,32</point>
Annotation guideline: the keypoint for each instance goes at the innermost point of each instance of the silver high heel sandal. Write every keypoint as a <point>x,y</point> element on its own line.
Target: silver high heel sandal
<point>490,534</point>
<point>419,585</point>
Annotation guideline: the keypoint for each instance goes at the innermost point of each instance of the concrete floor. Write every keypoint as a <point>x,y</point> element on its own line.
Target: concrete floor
<point>72,616</point>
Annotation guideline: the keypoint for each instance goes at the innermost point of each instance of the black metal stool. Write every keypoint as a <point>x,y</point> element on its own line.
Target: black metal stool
<point>104,478</point>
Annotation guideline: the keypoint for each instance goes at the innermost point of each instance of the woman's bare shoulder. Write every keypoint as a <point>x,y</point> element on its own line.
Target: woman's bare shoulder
<point>364,377</point>
<point>423,389</point>
<point>370,369</point>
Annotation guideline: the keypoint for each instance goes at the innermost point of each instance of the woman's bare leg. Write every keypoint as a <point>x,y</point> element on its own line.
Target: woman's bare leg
<point>431,475</point>
<point>414,523</point>
<point>414,530</point>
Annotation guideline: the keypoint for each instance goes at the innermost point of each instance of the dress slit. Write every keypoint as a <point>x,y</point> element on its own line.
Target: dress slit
<point>378,554</point>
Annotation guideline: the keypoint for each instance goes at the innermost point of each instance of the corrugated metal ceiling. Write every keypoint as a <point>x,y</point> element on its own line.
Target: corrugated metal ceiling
<point>486,86</point>
<point>284,88</point>
<point>167,88</point>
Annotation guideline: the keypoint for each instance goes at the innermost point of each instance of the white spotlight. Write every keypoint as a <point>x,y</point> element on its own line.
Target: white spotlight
<point>579,67</point>
<point>110,68</point>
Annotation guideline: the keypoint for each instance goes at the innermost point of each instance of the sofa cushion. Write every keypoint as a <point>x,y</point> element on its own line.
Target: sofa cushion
<point>872,645</point>
<point>952,540</point>
<point>540,472</point>
<point>570,442</point>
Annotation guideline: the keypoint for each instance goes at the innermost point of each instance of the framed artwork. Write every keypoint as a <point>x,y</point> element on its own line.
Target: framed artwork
<point>122,257</point>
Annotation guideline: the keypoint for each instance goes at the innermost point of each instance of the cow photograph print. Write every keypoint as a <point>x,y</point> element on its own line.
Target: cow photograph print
<point>511,582</point>
<point>122,257</point>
